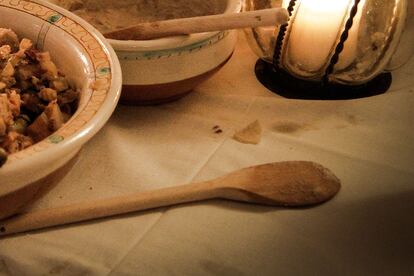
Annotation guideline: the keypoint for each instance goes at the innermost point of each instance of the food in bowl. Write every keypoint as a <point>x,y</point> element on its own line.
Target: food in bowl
<point>110,15</point>
<point>90,65</point>
<point>35,97</point>
<point>162,70</point>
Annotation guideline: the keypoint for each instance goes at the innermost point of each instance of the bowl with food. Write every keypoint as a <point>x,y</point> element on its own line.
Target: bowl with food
<point>60,81</point>
<point>163,69</point>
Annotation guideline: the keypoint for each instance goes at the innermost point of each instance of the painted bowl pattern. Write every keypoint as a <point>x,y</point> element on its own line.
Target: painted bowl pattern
<point>88,62</point>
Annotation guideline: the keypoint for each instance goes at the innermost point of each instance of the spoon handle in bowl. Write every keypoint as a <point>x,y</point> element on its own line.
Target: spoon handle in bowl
<point>210,23</point>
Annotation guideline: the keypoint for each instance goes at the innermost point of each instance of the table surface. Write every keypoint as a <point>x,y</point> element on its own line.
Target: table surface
<point>367,229</point>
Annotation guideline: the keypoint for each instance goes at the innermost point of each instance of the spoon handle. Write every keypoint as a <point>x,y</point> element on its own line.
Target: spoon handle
<point>210,23</point>
<point>108,207</point>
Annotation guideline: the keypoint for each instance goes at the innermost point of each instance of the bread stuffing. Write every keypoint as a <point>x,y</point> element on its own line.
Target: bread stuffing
<point>35,97</point>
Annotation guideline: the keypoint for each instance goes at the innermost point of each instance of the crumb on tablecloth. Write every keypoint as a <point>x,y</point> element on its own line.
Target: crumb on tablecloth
<point>251,134</point>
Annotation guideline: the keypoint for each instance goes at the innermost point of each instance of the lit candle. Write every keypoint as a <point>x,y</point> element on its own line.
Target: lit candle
<point>315,33</point>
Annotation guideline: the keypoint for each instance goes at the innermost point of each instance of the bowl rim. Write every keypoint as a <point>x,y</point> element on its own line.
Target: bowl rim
<point>81,134</point>
<point>233,6</point>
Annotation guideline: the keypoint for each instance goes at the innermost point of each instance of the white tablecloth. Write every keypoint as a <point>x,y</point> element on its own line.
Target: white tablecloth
<point>367,229</point>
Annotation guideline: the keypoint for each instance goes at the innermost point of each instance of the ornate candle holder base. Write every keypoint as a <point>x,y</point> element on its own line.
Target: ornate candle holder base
<point>290,87</point>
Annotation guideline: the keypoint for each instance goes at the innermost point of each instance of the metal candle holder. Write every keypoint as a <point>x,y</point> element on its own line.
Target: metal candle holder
<point>280,81</point>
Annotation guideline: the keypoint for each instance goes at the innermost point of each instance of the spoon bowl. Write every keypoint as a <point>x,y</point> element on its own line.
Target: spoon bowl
<point>294,183</point>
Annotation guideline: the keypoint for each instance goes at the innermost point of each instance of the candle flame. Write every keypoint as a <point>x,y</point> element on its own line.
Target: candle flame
<point>322,6</point>
<point>315,32</point>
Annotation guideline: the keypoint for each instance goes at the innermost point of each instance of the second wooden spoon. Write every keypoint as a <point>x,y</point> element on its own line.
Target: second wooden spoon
<point>292,183</point>
<point>210,23</point>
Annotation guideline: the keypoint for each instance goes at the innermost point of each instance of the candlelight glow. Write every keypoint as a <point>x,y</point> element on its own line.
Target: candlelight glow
<point>345,42</point>
<point>315,31</point>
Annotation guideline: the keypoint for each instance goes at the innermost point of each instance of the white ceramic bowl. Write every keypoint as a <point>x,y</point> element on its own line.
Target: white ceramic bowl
<point>161,70</point>
<point>85,57</point>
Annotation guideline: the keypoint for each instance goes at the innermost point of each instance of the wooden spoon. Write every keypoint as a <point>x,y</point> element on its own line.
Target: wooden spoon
<point>210,23</point>
<point>292,183</point>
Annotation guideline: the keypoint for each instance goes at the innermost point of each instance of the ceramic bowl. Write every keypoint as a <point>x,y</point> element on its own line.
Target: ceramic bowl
<point>87,60</point>
<point>161,70</point>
